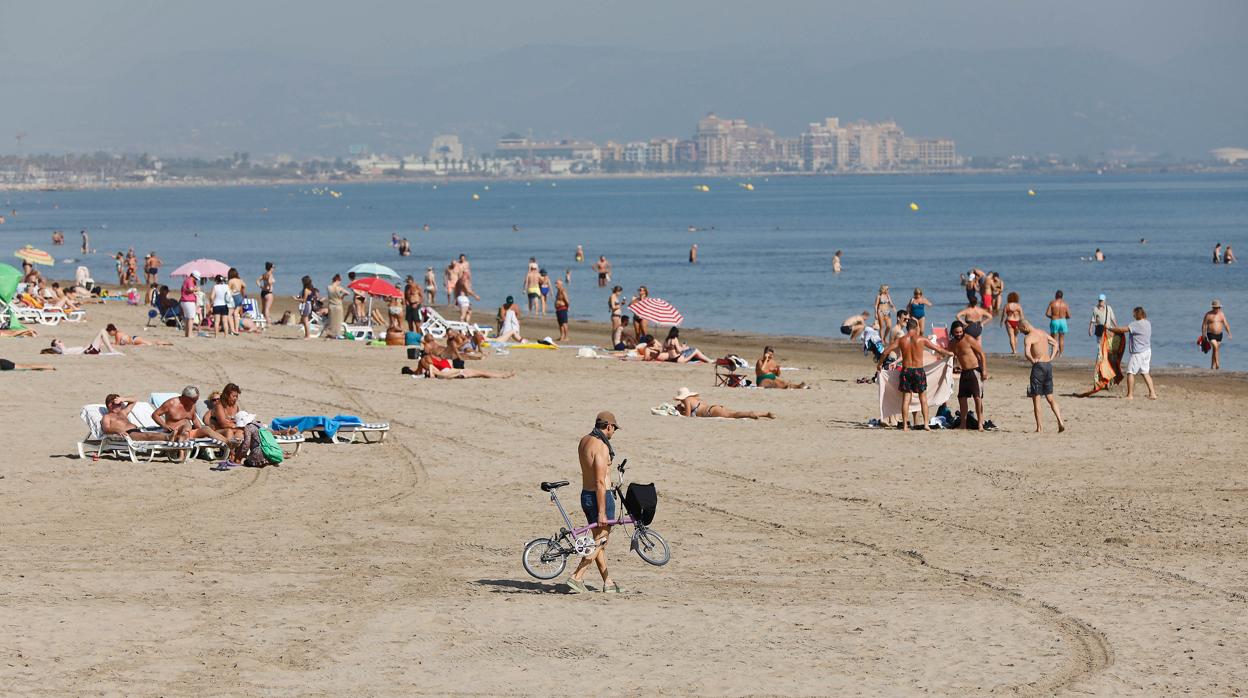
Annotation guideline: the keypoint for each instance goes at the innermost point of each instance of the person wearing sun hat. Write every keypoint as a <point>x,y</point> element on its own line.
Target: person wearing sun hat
<point>688,404</point>
<point>595,454</point>
<point>1215,329</point>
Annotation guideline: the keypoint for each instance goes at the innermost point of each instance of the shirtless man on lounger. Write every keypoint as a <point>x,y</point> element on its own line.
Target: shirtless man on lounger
<point>179,412</point>
<point>117,421</point>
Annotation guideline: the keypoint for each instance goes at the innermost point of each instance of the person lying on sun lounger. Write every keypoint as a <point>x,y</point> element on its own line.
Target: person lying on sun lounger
<point>437,367</point>
<point>117,421</point>
<point>19,333</point>
<point>100,345</point>
<point>767,372</point>
<point>688,404</point>
<point>122,339</point>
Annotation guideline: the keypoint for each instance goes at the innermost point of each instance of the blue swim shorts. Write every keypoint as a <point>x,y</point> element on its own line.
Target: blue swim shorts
<point>1057,326</point>
<point>589,505</point>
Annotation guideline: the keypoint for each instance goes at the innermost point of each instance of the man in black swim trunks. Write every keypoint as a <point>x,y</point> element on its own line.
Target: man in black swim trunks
<point>974,366</point>
<point>117,421</point>
<point>913,380</point>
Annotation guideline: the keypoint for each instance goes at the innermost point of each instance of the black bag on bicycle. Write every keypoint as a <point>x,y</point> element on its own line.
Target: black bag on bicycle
<point>640,502</point>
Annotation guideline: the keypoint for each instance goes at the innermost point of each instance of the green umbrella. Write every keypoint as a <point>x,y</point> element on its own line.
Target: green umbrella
<point>9,278</point>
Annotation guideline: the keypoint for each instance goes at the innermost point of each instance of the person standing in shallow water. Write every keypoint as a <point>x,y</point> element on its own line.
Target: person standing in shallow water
<point>836,262</point>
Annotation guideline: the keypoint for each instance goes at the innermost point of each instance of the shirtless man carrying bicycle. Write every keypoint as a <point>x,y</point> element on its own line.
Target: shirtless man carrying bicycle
<point>597,500</point>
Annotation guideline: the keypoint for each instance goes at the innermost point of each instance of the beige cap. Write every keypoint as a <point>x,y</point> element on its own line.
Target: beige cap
<point>1217,303</point>
<point>607,419</point>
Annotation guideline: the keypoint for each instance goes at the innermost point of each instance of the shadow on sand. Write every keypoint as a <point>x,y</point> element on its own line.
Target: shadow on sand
<point>512,586</point>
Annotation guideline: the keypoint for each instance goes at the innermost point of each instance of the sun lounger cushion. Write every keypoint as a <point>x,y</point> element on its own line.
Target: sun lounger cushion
<point>329,425</point>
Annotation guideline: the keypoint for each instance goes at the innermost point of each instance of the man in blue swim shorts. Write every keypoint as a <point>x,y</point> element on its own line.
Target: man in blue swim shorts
<point>1058,314</point>
<point>597,501</point>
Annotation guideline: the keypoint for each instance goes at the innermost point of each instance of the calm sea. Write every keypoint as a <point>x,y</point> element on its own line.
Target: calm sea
<point>765,255</point>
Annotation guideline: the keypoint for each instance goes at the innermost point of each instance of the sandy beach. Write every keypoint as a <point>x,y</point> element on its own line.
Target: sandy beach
<point>811,555</point>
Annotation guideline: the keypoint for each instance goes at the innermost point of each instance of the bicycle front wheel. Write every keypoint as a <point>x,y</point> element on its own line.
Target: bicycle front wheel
<point>651,547</point>
<point>544,559</point>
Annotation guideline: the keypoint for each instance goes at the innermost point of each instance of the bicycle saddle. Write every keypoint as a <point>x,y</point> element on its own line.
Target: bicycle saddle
<point>548,486</point>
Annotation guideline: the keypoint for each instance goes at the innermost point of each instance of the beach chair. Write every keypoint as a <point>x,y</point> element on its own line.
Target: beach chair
<point>368,432</point>
<point>171,314</point>
<point>437,326</point>
<point>728,372</point>
<point>252,312</point>
<point>122,446</point>
<point>360,333</point>
<point>28,315</point>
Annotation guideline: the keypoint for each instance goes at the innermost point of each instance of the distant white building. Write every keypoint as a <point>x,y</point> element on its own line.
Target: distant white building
<point>446,148</point>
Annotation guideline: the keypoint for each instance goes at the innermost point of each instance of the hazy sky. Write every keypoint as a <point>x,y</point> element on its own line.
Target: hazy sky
<point>87,35</point>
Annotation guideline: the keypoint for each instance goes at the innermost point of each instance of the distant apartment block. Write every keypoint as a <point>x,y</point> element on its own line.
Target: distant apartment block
<point>446,148</point>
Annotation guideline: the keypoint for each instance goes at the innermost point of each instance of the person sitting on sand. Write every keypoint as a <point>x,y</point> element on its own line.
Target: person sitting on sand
<point>510,330</point>
<point>437,367</point>
<point>688,405</point>
<point>855,324</point>
<point>649,349</point>
<point>122,339</point>
<point>177,412</point>
<point>621,338</point>
<point>100,345</point>
<point>767,372</point>
<point>679,352</point>
<point>117,421</point>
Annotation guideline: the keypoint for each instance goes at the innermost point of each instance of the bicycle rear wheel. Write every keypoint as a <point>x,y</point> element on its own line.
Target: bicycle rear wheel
<point>651,547</point>
<point>544,559</point>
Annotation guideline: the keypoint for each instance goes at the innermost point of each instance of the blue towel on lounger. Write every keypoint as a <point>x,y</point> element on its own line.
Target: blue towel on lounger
<point>329,425</point>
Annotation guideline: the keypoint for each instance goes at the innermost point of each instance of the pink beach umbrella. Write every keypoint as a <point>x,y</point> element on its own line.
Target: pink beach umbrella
<point>207,268</point>
<point>657,310</point>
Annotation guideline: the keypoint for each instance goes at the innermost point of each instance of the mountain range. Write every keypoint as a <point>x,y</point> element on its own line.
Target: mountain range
<point>1066,100</point>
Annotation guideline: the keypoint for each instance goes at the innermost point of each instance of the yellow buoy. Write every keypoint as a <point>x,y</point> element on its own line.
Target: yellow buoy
<point>749,187</point>
<point>914,206</point>
<point>1031,192</point>
<point>476,197</point>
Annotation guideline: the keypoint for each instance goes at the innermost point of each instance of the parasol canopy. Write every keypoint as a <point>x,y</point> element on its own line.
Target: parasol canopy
<point>34,256</point>
<point>375,287</point>
<point>373,269</point>
<point>207,268</point>
<point>10,276</point>
<point>657,310</point>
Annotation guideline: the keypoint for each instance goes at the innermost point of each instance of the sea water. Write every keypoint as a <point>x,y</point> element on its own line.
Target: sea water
<point>765,256</point>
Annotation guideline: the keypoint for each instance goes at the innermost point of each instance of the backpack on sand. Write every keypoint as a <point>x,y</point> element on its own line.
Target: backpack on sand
<point>269,446</point>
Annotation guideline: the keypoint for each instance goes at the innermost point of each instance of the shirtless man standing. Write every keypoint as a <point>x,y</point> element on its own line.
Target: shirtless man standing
<point>431,286</point>
<point>1058,314</point>
<point>451,277</point>
<point>913,377</point>
<point>974,366</point>
<point>178,413</point>
<point>413,298</point>
<point>603,267</point>
<point>1213,327</point>
<point>597,499</point>
<point>117,421</point>
<point>974,317</point>
<point>532,287</point>
<point>853,325</point>
<point>1040,348</point>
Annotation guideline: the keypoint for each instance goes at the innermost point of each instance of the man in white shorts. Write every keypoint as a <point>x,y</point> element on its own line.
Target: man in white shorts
<point>1140,350</point>
<point>189,301</point>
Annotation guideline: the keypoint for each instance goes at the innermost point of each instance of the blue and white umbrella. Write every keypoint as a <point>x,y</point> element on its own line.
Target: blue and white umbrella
<point>373,269</point>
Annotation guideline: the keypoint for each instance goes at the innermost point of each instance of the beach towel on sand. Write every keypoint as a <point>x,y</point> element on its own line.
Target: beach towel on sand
<point>329,425</point>
<point>940,386</point>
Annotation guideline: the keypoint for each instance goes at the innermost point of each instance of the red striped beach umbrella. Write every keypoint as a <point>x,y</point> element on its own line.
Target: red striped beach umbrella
<point>657,310</point>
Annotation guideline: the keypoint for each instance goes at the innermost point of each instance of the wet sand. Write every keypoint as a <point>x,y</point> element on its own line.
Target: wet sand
<point>810,555</point>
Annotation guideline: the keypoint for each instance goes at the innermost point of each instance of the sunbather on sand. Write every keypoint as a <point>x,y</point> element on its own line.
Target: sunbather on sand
<point>117,421</point>
<point>688,404</point>
<point>679,352</point>
<point>27,332</point>
<point>767,372</point>
<point>100,345</point>
<point>179,411</point>
<point>122,339</point>
<point>437,367</point>
<point>6,365</point>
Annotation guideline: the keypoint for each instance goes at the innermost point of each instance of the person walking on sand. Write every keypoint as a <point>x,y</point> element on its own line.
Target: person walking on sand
<point>1140,350</point>
<point>189,300</point>
<point>603,267</point>
<point>1058,314</point>
<point>1040,348</point>
<point>836,262</point>
<point>854,325</point>
<point>913,379</point>
<point>595,454</point>
<point>883,306</point>
<point>561,309</point>
<point>973,365</point>
<point>265,284</point>
<point>1213,327</point>
<point>1102,317</point>
<point>1011,316</point>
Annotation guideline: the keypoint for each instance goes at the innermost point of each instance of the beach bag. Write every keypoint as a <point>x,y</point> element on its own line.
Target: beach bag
<point>268,444</point>
<point>640,502</point>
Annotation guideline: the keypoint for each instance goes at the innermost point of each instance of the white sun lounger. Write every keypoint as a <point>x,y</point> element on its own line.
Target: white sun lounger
<point>369,433</point>
<point>437,326</point>
<point>120,445</point>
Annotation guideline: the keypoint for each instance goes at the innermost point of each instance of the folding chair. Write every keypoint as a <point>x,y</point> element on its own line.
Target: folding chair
<point>727,372</point>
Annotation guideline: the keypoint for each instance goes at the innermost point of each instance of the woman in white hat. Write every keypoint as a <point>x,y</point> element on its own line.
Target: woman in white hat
<point>688,404</point>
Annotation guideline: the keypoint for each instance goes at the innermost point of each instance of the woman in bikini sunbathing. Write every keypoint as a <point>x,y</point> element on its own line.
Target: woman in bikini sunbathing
<point>680,353</point>
<point>688,404</point>
<point>122,339</point>
<point>438,367</point>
